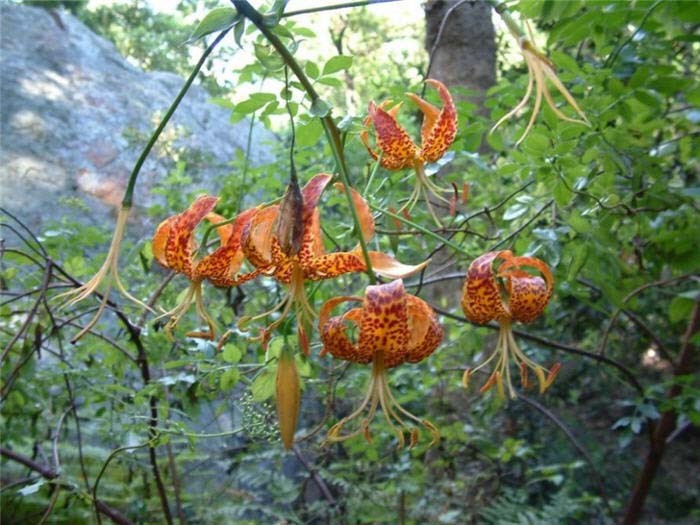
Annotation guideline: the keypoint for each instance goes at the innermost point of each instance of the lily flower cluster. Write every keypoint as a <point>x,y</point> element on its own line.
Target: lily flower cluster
<point>388,327</point>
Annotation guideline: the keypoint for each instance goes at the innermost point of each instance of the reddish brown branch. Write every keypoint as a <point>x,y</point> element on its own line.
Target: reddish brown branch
<point>664,428</point>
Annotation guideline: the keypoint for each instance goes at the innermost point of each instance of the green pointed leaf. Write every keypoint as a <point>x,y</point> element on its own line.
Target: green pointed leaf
<point>336,64</point>
<point>263,387</point>
<point>215,20</point>
<point>238,31</point>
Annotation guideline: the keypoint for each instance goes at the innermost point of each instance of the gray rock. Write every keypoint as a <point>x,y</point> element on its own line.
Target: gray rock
<point>71,107</point>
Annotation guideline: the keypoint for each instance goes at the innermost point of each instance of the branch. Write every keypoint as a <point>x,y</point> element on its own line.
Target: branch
<point>47,473</point>
<point>665,427</point>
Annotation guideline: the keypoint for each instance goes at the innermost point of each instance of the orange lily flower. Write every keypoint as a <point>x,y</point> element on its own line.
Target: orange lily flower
<point>527,296</point>
<point>394,327</point>
<point>540,69</point>
<point>174,247</point>
<point>309,261</point>
<point>396,150</point>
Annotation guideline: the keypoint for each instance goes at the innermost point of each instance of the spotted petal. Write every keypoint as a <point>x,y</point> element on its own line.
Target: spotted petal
<point>221,266</point>
<point>173,242</point>
<point>398,150</point>
<point>424,330</point>
<point>481,297</point>
<point>438,132</point>
<point>528,294</point>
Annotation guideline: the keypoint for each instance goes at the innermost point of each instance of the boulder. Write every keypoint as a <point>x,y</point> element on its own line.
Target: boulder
<point>76,116</point>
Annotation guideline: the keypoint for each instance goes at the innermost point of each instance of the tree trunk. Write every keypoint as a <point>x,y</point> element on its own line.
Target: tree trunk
<point>466,52</point>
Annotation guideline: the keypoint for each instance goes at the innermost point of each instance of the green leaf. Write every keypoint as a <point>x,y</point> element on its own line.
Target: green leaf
<point>311,69</point>
<point>254,103</point>
<point>215,20</point>
<point>238,31</point>
<point>231,353</point>
<point>263,388</point>
<point>680,309</point>
<point>309,133</point>
<point>268,57</point>
<point>320,108</point>
<point>336,64</point>
<point>229,378</point>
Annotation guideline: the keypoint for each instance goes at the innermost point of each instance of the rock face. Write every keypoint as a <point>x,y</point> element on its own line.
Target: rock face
<point>76,115</point>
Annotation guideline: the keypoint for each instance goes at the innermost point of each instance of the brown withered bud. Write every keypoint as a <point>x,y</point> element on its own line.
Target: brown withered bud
<point>290,225</point>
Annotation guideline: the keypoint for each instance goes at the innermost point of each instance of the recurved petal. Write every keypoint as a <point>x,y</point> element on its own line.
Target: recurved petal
<point>336,342</point>
<point>222,265</point>
<point>430,115</point>
<point>528,294</point>
<point>481,298</point>
<point>398,150</point>
<point>384,324</point>
<point>332,264</point>
<point>160,238</point>
<point>386,266</point>
<point>443,131</point>
<point>364,215</point>
<point>256,239</point>
<point>179,244</point>
<point>326,308</point>
<point>424,330</point>
<point>224,231</point>
<point>312,192</point>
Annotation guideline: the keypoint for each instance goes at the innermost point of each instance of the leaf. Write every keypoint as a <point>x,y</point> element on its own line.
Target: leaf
<point>320,108</point>
<point>215,20</point>
<point>311,69</point>
<point>268,57</point>
<point>229,378</point>
<point>337,63</point>
<point>254,103</point>
<point>231,353</point>
<point>309,133</point>
<point>515,211</point>
<point>31,489</point>
<point>263,388</point>
<point>238,31</point>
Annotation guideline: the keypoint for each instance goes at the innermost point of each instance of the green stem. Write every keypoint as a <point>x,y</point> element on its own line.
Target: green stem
<point>129,193</point>
<point>421,229</point>
<point>513,25</point>
<point>333,7</point>
<point>331,130</point>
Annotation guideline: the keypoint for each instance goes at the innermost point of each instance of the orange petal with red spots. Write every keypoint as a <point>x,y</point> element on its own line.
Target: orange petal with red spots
<point>398,150</point>
<point>179,245</point>
<point>333,265</point>
<point>221,266</point>
<point>481,297</point>
<point>384,324</point>
<point>430,115</point>
<point>441,134</point>
<point>160,238</point>
<point>528,294</point>
<point>336,341</point>
<point>424,330</point>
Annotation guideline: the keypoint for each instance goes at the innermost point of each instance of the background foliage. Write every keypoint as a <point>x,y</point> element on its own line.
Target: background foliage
<point>613,209</point>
